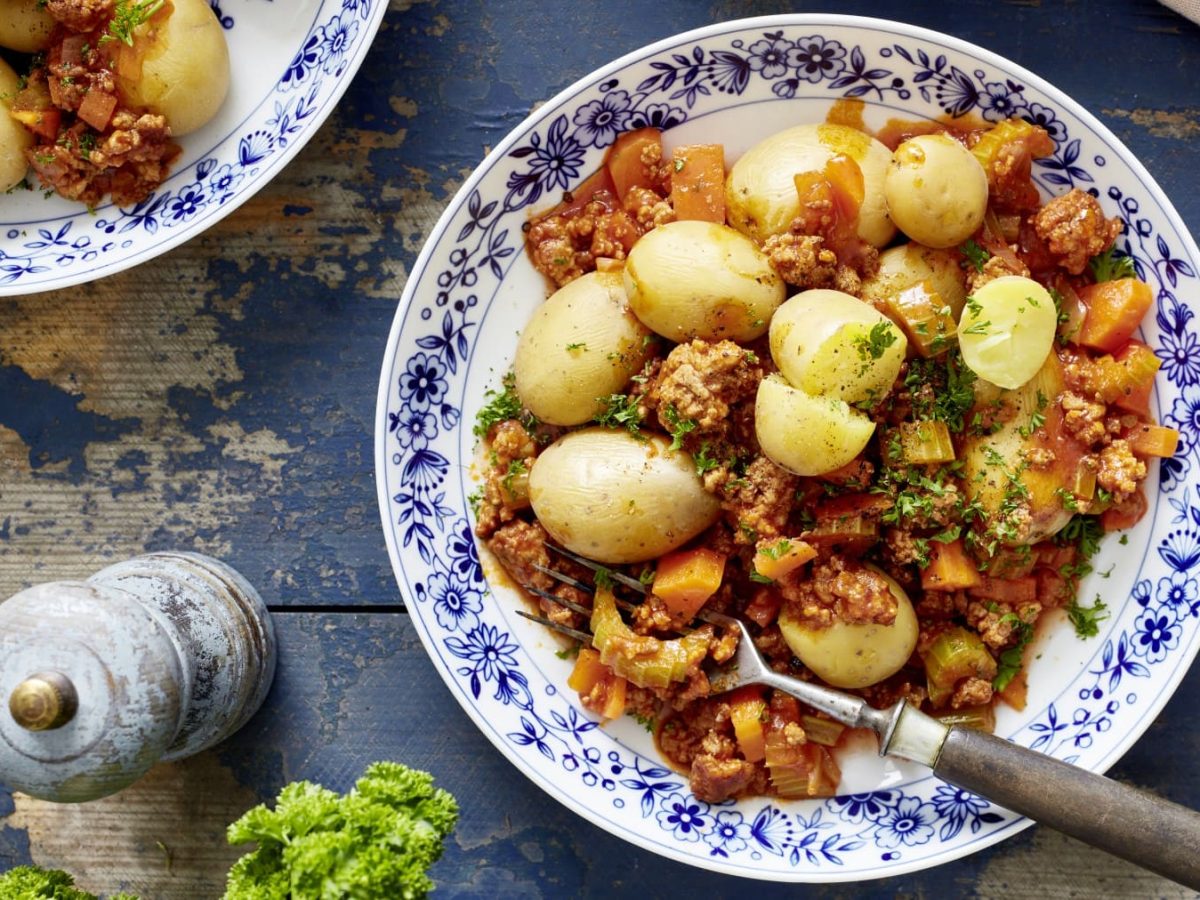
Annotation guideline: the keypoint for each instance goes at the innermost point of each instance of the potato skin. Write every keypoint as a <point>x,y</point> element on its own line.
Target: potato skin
<point>185,71</point>
<point>14,138</point>
<point>760,191</point>
<point>24,26</point>
<point>693,279</point>
<point>855,656</point>
<point>581,344</point>
<point>613,498</point>
<point>805,434</point>
<point>819,339</point>
<point>908,265</point>
<point>936,190</point>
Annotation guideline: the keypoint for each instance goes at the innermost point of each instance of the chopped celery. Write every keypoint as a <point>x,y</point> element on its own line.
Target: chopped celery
<point>822,731</point>
<point>644,660</point>
<point>925,318</point>
<point>926,442</point>
<point>953,655</point>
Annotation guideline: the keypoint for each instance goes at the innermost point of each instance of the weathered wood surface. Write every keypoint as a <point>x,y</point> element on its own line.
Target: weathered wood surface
<point>221,398</point>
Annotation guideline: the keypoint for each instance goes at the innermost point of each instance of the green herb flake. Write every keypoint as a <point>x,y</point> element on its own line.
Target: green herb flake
<point>1011,660</point>
<point>128,15</point>
<point>1087,619</point>
<point>620,411</point>
<point>975,255</point>
<point>1109,266</point>
<point>679,428</point>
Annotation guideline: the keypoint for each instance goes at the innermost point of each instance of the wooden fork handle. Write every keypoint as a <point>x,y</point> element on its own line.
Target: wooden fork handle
<point>1146,830</point>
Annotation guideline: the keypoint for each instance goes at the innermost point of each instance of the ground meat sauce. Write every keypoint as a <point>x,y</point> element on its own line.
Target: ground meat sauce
<point>869,517</point>
<point>89,144</point>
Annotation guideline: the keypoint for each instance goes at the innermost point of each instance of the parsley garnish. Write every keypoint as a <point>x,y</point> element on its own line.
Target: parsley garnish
<point>603,578</point>
<point>568,652</point>
<point>621,411</point>
<point>1108,266</point>
<point>647,722</point>
<point>873,344</point>
<point>501,406</point>
<point>515,467</point>
<point>1009,663</point>
<point>679,428</point>
<point>580,346</point>
<point>760,578</point>
<point>127,16</point>
<point>703,461</point>
<point>776,550</point>
<point>1087,619</point>
<point>975,254</point>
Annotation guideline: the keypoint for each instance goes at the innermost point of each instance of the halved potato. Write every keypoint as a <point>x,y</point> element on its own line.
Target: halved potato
<point>913,264</point>
<point>14,137</point>
<point>936,190</point>
<point>805,434</point>
<point>25,25</point>
<point>830,343</point>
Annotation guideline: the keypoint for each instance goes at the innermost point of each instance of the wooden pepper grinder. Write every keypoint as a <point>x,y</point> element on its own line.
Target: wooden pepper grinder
<point>156,658</point>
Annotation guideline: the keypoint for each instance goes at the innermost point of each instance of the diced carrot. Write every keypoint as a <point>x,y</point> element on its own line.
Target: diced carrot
<point>1128,514</point>
<point>685,579</point>
<point>1013,591</point>
<point>42,122</point>
<point>775,559</point>
<point>852,505</point>
<point>588,671</point>
<point>604,690</point>
<point>763,608</point>
<point>1154,440</point>
<point>1115,309</point>
<point>949,569</point>
<point>698,182</point>
<point>97,108</point>
<point>624,162</point>
<point>748,712</point>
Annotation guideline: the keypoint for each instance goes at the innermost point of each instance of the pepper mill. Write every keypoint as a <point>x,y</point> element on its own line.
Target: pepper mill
<point>152,659</point>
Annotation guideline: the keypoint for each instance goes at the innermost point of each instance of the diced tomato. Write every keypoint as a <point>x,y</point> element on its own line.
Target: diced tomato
<point>624,162</point>
<point>1115,310</point>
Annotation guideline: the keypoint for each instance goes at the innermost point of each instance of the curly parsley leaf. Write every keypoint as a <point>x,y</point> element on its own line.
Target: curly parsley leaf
<point>1109,266</point>
<point>620,411</point>
<point>1087,619</point>
<point>975,255</point>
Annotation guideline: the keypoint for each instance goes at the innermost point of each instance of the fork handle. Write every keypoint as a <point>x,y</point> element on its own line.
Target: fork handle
<point>1146,830</point>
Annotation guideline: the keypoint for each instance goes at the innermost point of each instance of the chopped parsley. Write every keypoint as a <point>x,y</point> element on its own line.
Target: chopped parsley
<point>704,462</point>
<point>978,328</point>
<point>1037,419</point>
<point>874,344</point>
<point>1087,619</point>
<point>128,15</point>
<point>760,578</point>
<point>602,578</point>
<point>679,427</point>
<point>569,652</point>
<point>776,550</point>
<point>952,391</point>
<point>580,346</point>
<point>620,411</point>
<point>515,467</point>
<point>501,406</point>
<point>1010,661</point>
<point>647,722</point>
<point>975,255</point>
<point>1109,266</point>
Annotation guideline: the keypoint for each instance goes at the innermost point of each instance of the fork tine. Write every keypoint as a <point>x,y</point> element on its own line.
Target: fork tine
<point>554,598</point>
<point>620,578</point>
<point>554,626</point>
<point>565,579</point>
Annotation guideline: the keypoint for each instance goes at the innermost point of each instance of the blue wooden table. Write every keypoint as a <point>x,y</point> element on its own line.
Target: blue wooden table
<point>221,398</point>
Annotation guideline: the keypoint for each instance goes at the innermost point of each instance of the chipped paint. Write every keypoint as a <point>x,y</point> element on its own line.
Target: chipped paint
<point>1180,125</point>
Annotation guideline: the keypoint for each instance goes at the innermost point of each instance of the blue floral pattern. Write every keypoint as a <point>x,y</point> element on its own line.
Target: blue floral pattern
<point>1148,639</point>
<point>61,254</point>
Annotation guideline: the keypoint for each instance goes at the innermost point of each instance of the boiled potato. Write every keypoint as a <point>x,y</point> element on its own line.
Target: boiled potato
<point>701,280</point>
<point>613,498</point>
<point>24,25</point>
<point>14,138</point>
<point>830,343</point>
<point>855,656</point>
<point>1007,329</point>
<point>185,70</point>
<point>1022,504</point>
<point>760,192</point>
<point>936,190</point>
<point>912,264</point>
<point>805,434</point>
<point>582,344</point>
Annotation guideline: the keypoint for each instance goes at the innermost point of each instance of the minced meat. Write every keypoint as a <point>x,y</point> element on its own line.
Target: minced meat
<point>758,503</point>
<point>1120,471</point>
<point>714,780</point>
<point>1075,229</point>
<point>699,381</point>
<point>565,247</point>
<point>839,590</point>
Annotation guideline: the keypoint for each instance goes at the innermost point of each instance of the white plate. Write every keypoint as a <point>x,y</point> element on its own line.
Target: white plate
<point>454,336</point>
<point>291,62</point>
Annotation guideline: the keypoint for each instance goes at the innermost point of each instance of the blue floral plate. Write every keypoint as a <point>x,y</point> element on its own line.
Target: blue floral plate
<point>454,336</point>
<point>291,63</point>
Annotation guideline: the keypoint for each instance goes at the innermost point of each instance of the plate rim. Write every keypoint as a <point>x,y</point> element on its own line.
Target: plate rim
<point>177,237</point>
<point>543,112</point>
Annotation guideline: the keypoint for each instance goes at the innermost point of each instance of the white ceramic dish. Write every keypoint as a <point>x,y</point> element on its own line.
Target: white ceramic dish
<point>454,336</point>
<point>291,63</point>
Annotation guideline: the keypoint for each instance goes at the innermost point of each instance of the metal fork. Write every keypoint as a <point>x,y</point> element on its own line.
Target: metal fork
<point>1137,826</point>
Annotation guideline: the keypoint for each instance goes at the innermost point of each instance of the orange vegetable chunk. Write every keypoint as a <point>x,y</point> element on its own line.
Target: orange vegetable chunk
<point>1115,309</point>
<point>698,183</point>
<point>748,713</point>
<point>589,672</point>
<point>624,163</point>
<point>775,559</point>
<point>1154,440</point>
<point>949,569</point>
<point>685,579</point>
